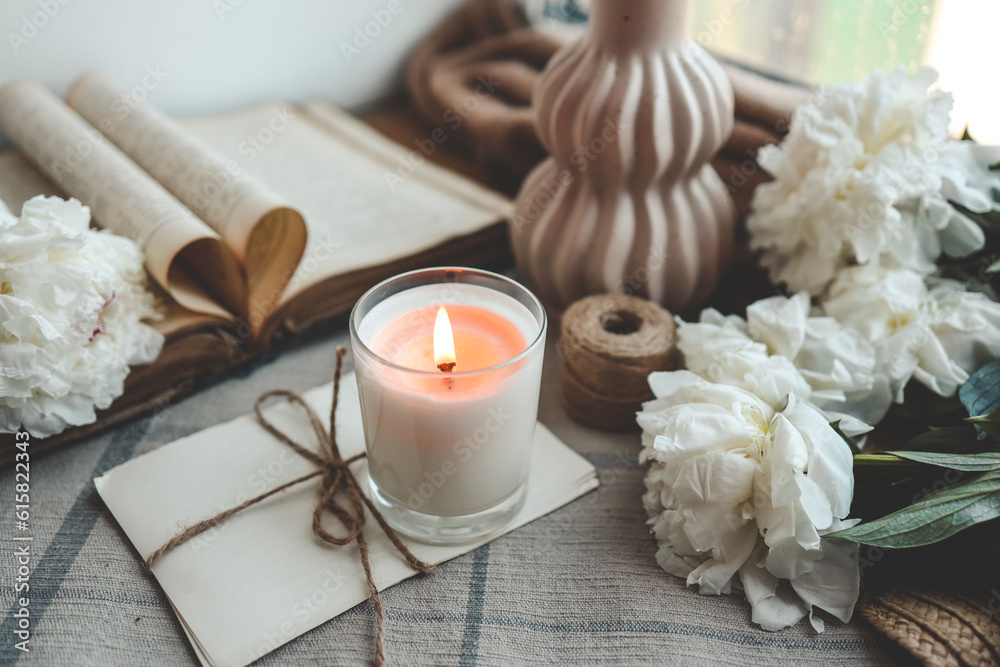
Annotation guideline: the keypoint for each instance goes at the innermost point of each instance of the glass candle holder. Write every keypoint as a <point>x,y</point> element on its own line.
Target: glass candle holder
<point>448,364</point>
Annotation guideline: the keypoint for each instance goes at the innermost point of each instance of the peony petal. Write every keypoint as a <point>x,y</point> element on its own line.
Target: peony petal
<point>788,460</point>
<point>714,487</point>
<point>672,563</point>
<point>780,323</point>
<point>790,559</point>
<point>830,464</point>
<point>814,502</point>
<point>667,383</point>
<point>865,406</point>
<point>775,606</point>
<point>833,583</point>
<point>961,237</point>
<point>697,428</point>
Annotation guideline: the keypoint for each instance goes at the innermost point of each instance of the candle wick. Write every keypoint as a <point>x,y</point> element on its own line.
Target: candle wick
<point>447,367</point>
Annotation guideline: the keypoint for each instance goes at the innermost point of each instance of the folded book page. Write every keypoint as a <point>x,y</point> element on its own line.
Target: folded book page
<point>20,180</point>
<point>183,255</point>
<point>238,588</point>
<point>364,203</point>
<point>265,232</point>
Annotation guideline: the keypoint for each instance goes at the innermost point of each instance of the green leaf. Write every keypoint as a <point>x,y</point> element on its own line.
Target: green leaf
<point>879,460</point>
<point>993,268</point>
<point>983,462</point>
<point>935,517</point>
<point>989,423</point>
<point>981,397</point>
<point>966,136</point>
<point>952,439</point>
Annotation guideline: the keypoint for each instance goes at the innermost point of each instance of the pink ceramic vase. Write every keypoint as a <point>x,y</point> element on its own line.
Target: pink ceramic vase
<point>627,202</point>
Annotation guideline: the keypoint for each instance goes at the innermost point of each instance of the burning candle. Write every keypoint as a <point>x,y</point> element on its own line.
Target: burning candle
<point>449,366</point>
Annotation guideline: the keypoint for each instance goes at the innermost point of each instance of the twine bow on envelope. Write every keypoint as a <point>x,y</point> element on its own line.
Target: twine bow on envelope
<point>337,482</point>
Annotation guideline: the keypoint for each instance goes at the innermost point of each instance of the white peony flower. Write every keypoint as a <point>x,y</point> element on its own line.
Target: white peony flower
<point>719,349</point>
<point>865,175</point>
<point>929,329</point>
<point>741,495</point>
<point>779,349</point>
<point>72,301</point>
<point>963,170</point>
<point>966,177</point>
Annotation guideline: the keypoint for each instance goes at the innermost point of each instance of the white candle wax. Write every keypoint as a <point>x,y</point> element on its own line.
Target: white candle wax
<point>449,443</point>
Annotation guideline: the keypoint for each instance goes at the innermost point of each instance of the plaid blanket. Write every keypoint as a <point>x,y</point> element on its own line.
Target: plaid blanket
<point>577,587</point>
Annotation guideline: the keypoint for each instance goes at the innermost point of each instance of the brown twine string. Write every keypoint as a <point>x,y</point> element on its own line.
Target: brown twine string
<point>337,480</point>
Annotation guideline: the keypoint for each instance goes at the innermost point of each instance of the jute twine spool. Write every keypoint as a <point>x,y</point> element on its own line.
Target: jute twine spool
<point>610,344</point>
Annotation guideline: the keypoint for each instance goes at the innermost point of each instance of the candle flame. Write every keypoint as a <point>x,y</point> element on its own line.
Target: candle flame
<point>444,342</point>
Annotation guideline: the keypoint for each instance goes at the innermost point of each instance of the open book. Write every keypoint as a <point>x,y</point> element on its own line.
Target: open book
<point>254,224</point>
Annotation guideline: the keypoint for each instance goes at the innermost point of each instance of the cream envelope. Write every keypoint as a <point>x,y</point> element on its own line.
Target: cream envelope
<point>262,578</point>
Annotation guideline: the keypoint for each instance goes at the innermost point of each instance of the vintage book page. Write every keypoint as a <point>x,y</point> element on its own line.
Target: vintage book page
<point>265,232</point>
<point>368,202</point>
<point>237,589</point>
<point>362,208</point>
<point>183,254</point>
<point>20,180</point>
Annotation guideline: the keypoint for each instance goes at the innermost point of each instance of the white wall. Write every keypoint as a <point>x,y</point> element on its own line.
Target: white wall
<point>217,54</point>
